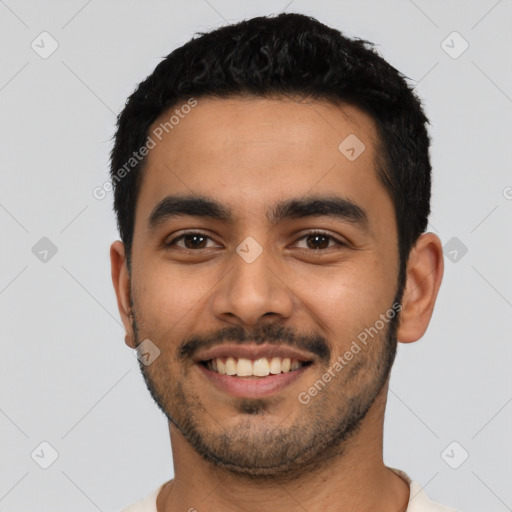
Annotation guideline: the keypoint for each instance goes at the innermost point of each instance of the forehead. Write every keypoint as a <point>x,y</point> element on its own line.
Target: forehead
<point>248,152</point>
<point>226,127</point>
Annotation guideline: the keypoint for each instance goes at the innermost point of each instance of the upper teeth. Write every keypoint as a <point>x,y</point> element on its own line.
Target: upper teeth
<point>246,367</point>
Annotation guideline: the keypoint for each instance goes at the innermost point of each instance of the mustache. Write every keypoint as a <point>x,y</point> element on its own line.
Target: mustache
<point>270,333</point>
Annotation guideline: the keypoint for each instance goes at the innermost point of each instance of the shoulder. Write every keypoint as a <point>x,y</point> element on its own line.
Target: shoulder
<point>420,502</point>
<point>418,499</point>
<point>148,504</point>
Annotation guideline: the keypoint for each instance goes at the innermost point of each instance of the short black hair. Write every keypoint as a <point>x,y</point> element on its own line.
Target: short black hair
<point>288,54</point>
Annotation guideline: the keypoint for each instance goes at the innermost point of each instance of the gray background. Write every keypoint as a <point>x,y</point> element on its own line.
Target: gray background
<point>66,376</point>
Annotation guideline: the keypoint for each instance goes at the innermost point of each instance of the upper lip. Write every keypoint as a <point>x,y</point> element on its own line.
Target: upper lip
<point>249,351</point>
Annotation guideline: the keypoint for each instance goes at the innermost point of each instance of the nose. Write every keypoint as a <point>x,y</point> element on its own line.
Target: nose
<point>252,289</point>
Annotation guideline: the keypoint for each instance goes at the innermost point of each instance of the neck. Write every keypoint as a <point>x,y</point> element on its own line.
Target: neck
<point>353,479</point>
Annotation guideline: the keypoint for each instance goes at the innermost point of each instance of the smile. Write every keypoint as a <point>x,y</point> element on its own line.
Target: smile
<point>261,367</point>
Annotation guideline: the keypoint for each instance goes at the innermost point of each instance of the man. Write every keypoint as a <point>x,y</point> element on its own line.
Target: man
<point>272,189</point>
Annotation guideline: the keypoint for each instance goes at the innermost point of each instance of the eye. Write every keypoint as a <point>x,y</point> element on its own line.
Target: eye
<point>192,240</point>
<point>318,240</point>
<point>315,240</point>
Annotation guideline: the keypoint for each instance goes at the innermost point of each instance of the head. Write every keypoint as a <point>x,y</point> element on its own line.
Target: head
<point>306,150</point>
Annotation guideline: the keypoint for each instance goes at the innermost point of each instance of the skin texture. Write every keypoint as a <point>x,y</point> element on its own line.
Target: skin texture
<point>244,454</point>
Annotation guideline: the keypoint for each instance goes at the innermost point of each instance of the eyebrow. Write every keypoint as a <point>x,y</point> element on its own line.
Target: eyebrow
<point>295,208</point>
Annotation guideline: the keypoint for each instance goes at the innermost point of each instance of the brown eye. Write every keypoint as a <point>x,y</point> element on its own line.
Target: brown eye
<point>318,240</point>
<point>195,241</point>
<point>192,240</point>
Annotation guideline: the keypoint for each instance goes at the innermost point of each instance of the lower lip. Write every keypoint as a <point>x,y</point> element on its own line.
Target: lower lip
<point>253,387</point>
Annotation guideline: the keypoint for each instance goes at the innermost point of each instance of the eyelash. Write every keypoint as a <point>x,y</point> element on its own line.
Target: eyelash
<point>311,233</point>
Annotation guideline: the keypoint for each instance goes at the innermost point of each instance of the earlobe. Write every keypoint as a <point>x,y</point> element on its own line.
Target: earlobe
<point>425,269</point>
<point>121,282</point>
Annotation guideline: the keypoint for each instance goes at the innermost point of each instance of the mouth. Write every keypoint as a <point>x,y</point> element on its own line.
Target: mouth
<point>252,378</point>
<point>253,368</point>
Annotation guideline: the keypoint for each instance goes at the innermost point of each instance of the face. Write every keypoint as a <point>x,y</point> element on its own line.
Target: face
<point>269,268</point>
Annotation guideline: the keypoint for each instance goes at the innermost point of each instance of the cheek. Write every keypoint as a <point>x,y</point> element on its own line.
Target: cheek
<point>347,299</point>
<point>162,298</point>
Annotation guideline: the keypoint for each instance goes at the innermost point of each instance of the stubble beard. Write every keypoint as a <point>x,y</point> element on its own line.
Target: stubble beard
<point>256,449</point>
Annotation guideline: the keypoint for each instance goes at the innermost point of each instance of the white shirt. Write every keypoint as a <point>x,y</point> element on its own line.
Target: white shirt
<point>418,500</point>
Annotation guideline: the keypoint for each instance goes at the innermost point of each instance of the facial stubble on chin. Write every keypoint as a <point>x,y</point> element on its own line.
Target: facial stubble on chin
<point>251,449</point>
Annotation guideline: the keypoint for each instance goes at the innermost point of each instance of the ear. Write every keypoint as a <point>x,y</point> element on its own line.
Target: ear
<point>425,269</point>
<point>121,281</point>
